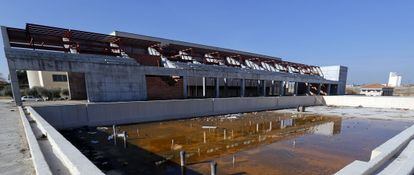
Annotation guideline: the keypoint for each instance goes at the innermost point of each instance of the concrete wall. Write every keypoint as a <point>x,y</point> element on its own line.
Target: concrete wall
<point>336,73</point>
<point>69,155</point>
<point>95,114</point>
<point>375,102</point>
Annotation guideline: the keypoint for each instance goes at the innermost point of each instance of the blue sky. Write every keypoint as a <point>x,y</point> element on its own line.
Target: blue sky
<point>372,37</point>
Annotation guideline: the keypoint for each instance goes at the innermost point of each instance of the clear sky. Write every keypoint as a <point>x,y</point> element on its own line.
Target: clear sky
<point>371,37</point>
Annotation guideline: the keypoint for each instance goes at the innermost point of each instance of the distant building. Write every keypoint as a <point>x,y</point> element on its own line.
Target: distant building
<point>394,80</point>
<point>48,80</point>
<point>376,90</point>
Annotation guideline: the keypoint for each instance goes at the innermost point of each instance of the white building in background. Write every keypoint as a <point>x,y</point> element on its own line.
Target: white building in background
<point>377,90</point>
<point>48,80</point>
<point>394,80</point>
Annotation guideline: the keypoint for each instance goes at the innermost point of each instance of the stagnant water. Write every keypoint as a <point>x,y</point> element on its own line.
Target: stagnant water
<point>251,143</point>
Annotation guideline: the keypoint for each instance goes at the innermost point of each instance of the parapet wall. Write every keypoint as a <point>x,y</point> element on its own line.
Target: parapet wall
<point>95,114</point>
<point>372,102</point>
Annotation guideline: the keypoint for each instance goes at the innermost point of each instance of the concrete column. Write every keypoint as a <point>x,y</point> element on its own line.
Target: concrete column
<point>338,90</point>
<point>185,86</point>
<point>319,89</point>
<point>296,89</point>
<point>242,87</point>
<point>6,41</point>
<point>14,81</point>
<point>204,86</point>
<point>217,84</point>
<point>282,88</point>
<point>272,88</point>
<point>328,91</point>
<point>263,87</point>
<point>308,91</point>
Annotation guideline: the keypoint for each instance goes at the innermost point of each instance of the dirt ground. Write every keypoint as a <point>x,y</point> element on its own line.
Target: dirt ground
<point>14,152</point>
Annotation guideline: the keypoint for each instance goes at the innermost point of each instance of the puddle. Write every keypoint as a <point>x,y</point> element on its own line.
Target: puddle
<point>251,143</point>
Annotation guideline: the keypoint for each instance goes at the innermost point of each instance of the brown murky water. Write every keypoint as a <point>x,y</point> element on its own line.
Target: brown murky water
<point>252,143</point>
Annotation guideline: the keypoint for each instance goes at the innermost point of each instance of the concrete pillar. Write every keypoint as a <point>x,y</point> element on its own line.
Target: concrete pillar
<point>296,89</point>
<point>14,81</point>
<point>217,84</point>
<point>328,91</point>
<point>308,91</point>
<point>338,90</point>
<point>272,88</point>
<point>204,86</point>
<point>282,88</point>
<point>319,89</point>
<point>242,87</point>
<point>6,41</point>
<point>185,86</point>
<point>263,87</point>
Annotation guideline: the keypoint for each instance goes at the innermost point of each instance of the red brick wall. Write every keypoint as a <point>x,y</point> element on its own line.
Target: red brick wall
<point>161,88</point>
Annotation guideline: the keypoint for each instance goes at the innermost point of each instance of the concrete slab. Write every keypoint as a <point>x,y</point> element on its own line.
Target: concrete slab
<point>14,152</point>
<point>372,113</point>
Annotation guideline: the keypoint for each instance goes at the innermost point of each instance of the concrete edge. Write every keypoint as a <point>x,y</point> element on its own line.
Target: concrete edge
<point>39,162</point>
<point>380,155</point>
<point>403,164</point>
<point>71,157</point>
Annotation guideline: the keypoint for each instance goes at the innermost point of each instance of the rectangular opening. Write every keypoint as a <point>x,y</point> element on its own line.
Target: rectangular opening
<point>164,87</point>
<point>51,85</point>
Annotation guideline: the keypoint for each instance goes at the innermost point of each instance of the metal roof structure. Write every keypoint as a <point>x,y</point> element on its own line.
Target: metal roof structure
<point>146,50</point>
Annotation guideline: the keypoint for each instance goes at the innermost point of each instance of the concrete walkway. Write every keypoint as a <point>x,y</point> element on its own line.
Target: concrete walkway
<point>14,151</point>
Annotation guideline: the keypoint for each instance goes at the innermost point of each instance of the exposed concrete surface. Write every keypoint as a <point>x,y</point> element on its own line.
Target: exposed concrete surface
<point>372,102</point>
<point>40,165</point>
<point>372,113</point>
<point>62,149</point>
<point>110,79</point>
<point>98,114</point>
<point>403,164</point>
<point>14,152</point>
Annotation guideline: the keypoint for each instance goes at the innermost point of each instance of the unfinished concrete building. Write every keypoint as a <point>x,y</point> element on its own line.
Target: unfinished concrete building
<point>129,67</point>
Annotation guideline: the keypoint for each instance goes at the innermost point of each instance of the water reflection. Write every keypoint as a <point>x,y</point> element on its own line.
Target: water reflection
<point>209,137</point>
